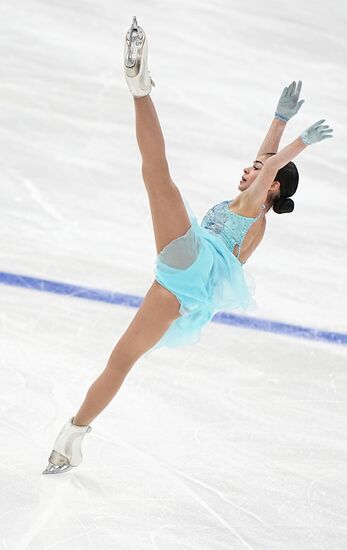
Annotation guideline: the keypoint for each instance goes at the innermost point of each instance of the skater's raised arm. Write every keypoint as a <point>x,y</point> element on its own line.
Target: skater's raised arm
<point>262,183</point>
<point>272,138</point>
<point>288,105</point>
<point>317,132</point>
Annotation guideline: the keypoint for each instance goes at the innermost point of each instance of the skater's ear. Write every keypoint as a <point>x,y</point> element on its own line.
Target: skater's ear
<point>275,186</point>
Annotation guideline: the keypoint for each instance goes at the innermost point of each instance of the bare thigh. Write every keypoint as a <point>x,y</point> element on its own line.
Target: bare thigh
<point>169,215</point>
<point>158,310</point>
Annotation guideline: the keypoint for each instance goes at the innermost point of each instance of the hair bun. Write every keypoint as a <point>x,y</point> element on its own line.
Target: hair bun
<point>283,205</point>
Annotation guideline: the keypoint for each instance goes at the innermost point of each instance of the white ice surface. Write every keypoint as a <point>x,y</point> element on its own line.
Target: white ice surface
<point>238,442</point>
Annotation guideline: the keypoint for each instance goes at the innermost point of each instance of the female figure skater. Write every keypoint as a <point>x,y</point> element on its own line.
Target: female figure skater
<point>199,267</point>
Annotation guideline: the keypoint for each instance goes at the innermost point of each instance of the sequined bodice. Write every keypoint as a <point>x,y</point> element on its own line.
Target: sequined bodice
<point>231,227</point>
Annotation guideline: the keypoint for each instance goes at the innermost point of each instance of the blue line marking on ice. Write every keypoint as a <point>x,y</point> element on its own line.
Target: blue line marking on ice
<point>76,291</point>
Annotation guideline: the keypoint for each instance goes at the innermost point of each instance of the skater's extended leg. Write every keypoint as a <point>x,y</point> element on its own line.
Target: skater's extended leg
<point>150,137</point>
<point>169,215</point>
<point>158,310</point>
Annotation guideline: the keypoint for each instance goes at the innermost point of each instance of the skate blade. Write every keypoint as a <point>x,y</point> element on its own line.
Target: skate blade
<point>54,469</point>
<point>135,38</point>
<point>57,463</point>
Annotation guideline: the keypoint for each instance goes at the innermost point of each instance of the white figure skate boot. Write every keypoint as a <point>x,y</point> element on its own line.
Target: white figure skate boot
<point>67,448</point>
<point>135,61</point>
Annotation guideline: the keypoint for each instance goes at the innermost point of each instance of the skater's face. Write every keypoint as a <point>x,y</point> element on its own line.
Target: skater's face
<point>251,172</point>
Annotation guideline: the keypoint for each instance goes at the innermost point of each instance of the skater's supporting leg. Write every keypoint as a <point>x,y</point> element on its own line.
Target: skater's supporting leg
<point>169,215</point>
<point>158,310</point>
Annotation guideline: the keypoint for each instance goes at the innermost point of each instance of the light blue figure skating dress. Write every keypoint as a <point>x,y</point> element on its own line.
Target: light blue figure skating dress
<point>201,270</point>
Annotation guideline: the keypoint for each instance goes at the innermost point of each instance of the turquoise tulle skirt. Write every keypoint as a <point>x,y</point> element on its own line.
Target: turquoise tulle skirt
<point>205,277</point>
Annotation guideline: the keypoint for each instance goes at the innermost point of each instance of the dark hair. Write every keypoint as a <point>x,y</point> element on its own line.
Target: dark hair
<point>288,177</point>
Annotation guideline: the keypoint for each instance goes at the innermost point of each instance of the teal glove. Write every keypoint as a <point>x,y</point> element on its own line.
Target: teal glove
<point>316,132</point>
<point>288,104</point>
